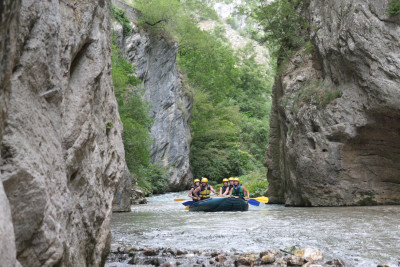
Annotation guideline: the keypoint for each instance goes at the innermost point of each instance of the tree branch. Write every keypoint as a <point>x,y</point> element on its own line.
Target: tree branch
<point>153,24</point>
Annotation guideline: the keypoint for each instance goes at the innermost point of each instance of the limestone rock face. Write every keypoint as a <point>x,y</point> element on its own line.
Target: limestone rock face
<point>9,20</point>
<point>7,238</point>
<point>335,121</point>
<point>122,201</point>
<point>59,163</point>
<point>155,62</point>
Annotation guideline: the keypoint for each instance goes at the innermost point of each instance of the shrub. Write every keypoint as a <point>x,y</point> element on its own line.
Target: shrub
<point>314,92</point>
<point>283,21</point>
<point>255,182</point>
<point>394,7</point>
<point>232,22</point>
<point>153,179</point>
<point>119,15</point>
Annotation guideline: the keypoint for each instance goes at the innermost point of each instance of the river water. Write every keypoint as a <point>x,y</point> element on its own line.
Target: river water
<point>361,236</point>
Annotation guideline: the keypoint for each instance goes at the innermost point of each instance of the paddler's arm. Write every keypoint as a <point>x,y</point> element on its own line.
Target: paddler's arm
<point>230,192</point>
<point>191,193</point>
<point>247,191</point>
<point>220,191</point>
<point>213,190</point>
<point>195,192</point>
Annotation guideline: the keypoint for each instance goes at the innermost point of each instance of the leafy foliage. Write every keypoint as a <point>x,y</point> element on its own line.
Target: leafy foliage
<point>283,22</point>
<point>119,15</point>
<point>255,182</point>
<point>231,91</point>
<point>394,7</point>
<point>134,112</point>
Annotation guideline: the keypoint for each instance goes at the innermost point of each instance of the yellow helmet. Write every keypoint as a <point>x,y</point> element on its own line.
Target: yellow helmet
<point>196,180</point>
<point>231,179</point>
<point>225,180</point>
<point>236,179</point>
<point>204,180</point>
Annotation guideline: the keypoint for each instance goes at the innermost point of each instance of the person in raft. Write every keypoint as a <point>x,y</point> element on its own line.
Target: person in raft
<point>196,184</point>
<point>238,190</point>
<point>203,191</point>
<point>230,183</point>
<point>224,190</point>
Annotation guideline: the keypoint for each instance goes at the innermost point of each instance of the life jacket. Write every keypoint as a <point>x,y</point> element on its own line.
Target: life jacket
<point>205,191</point>
<point>238,191</point>
<point>224,188</point>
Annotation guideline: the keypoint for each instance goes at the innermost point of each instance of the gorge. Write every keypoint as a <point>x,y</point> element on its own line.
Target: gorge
<point>333,131</point>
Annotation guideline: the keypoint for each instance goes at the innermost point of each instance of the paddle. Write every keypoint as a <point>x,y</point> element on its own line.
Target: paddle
<point>262,199</point>
<point>188,203</point>
<point>180,199</point>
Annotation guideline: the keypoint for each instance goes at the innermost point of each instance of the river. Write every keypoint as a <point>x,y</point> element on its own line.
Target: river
<point>360,236</point>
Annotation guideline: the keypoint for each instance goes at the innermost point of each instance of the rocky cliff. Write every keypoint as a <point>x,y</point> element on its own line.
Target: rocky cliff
<point>9,22</point>
<point>155,61</point>
<point>59,163</point>
<point>335,123</point>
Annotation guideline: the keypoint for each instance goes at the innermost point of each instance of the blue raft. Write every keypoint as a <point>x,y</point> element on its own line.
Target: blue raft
<point>220,204</point>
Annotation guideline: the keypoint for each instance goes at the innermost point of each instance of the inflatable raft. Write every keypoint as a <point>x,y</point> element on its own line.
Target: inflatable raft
<point>220,204</point>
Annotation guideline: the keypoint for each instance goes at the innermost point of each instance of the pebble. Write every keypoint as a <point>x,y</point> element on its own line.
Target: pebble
<point>335,263</point>
<point>294,261</point>
<point>221,258</point>
<point>151,253</point>
<point>310,254</point>
<point>267,259</point>
<point>166,257</point>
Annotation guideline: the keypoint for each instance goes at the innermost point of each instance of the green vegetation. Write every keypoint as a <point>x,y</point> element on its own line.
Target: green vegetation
<point>394,7</point>
<point>231,90</point>
<point>368,201</point>
<point>232,22</point>
<point>282,21</point>
<point>119,15</point>
<point>255,182</point>
<point>134,112</point>
<point>314,92</point>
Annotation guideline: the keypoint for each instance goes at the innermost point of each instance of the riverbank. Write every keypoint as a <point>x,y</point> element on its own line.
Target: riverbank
<point>130,256</point>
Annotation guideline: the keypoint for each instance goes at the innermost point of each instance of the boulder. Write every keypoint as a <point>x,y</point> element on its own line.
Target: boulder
<point>137,196</point>
<point>122,198</point>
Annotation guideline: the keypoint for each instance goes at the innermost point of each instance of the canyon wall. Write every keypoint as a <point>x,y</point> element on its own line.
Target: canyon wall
<point>60,164</point>
<point>155,60</point>
<point>335,120</point>
<point>9,22</point>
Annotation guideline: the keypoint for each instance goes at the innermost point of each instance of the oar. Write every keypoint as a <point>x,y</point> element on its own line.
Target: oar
<point>180,199</point>
<point>256,201</point>
<point>262,199</point>
<point>188,203</point>
<point>253,202</point>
